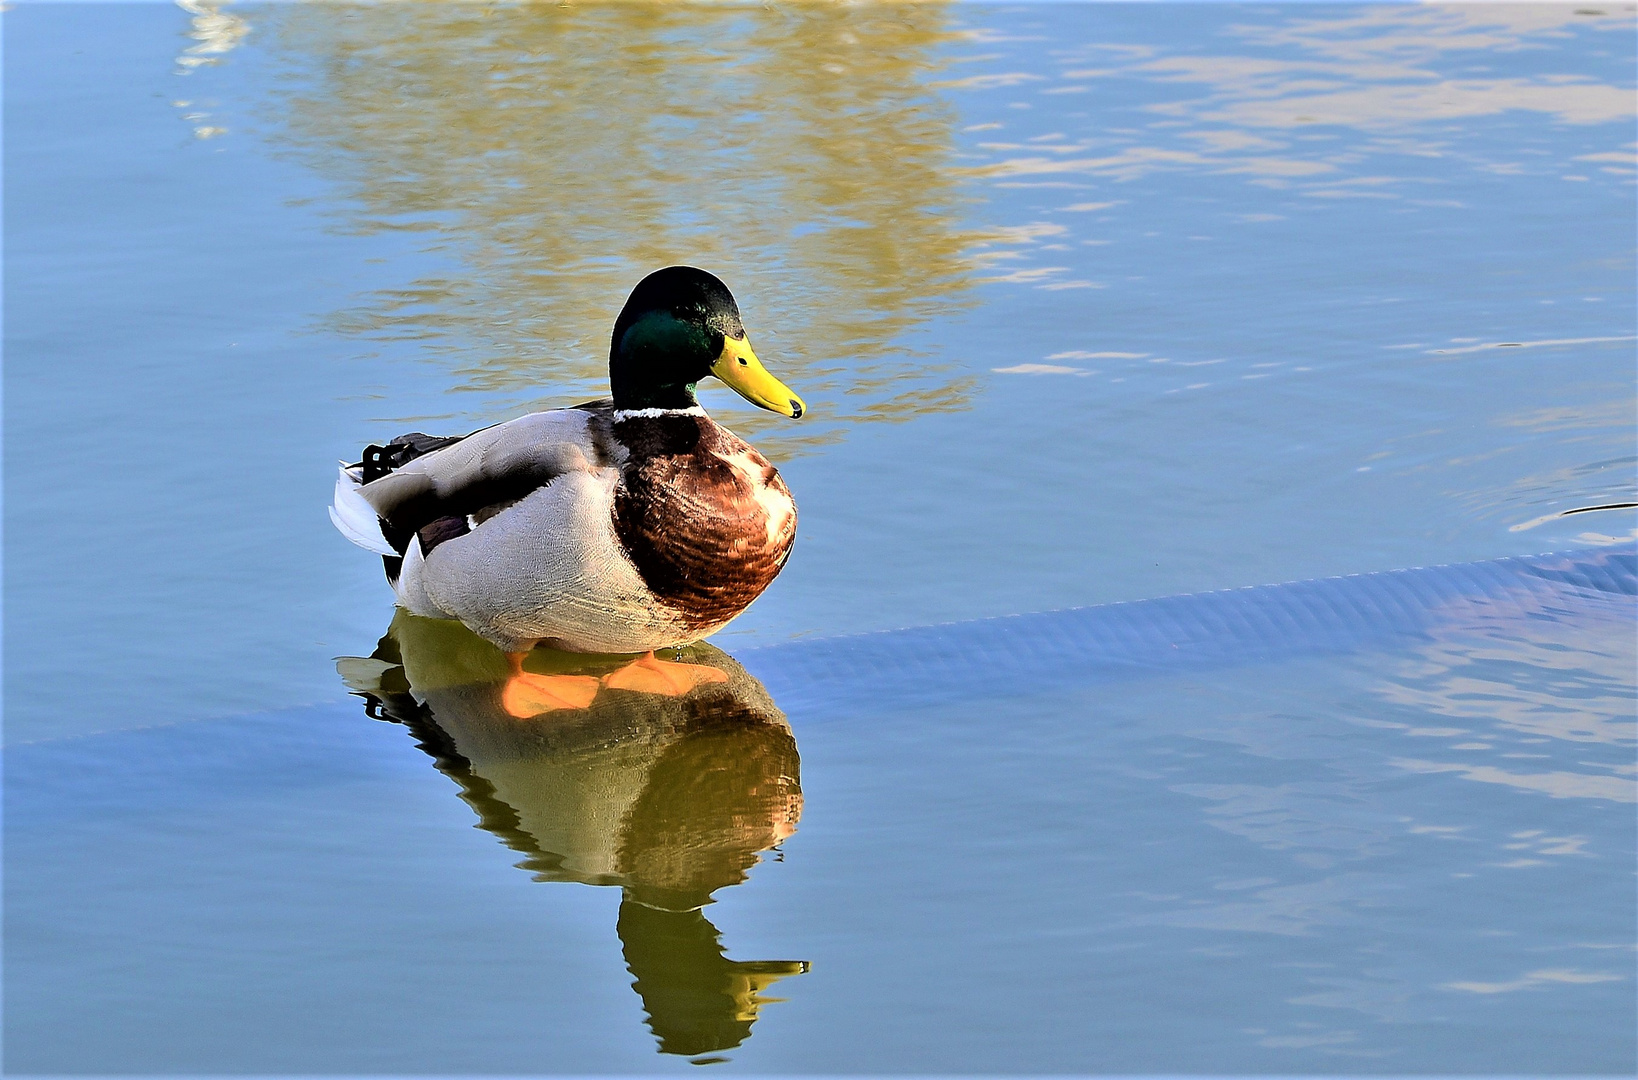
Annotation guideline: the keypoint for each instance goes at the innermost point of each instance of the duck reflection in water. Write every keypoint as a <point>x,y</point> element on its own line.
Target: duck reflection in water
<point>669,797</point>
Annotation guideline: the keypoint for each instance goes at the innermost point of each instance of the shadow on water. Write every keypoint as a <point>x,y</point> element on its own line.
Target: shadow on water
<point>669,798</point>
<point>552,155</point>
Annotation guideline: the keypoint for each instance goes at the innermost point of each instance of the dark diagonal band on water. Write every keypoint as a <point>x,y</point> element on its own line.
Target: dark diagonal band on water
<point>1026,653</point>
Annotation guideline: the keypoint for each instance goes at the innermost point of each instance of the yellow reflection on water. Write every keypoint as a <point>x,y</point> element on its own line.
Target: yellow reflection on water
<point>668,797</point>
<point>555,154</point>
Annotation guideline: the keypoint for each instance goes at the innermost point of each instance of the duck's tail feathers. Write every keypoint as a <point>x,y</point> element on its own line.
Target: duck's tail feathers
<point>355,517</point>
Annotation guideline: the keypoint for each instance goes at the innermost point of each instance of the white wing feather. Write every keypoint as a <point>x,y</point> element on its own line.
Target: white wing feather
<point>356,518</point>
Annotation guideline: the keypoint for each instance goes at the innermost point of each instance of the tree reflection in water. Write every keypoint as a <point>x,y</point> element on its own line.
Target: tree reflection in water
<point>670,798</point>
<point>553,154</point>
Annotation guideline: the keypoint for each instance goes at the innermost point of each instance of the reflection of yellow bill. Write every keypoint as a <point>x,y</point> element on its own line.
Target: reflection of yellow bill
<point>740,369</point>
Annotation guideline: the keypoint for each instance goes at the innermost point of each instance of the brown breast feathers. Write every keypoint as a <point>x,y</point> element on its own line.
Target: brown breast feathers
<point>707,521</point>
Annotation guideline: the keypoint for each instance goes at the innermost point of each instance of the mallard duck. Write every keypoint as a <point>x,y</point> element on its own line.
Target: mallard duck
<point>622,525</point>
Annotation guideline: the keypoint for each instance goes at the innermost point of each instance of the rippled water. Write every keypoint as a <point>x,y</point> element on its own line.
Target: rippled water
<point>1091,303</point>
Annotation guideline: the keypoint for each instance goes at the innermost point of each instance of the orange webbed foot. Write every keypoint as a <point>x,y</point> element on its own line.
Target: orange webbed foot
<point>650,675</point>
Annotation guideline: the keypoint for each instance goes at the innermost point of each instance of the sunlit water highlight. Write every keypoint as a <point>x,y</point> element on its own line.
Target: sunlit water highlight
<point>1091,304</point>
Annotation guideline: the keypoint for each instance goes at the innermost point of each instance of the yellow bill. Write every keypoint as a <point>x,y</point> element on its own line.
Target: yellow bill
<point>740,369</point>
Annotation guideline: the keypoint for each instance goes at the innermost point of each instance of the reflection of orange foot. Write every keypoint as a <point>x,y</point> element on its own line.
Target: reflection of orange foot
<point>527,694</point>
<point>651,676</point>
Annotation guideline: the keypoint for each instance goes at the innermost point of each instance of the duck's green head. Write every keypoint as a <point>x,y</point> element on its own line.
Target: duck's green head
<point>678,326</point>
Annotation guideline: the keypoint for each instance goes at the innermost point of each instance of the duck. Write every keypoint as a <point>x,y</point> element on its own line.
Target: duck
<point>626,525</point>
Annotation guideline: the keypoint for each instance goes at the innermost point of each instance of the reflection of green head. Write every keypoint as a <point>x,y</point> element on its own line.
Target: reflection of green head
<point>697,999</point>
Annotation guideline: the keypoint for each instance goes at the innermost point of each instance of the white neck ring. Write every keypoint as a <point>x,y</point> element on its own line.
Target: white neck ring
<point>643,414</point>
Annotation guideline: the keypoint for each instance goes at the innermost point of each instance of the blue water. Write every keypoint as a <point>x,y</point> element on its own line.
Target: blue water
<point>1092,304</point>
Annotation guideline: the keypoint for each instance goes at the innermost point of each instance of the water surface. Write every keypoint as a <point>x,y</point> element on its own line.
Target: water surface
<point>1092,303</point>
